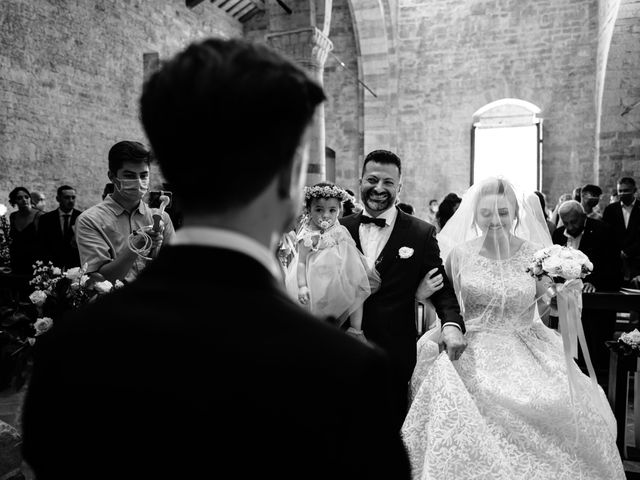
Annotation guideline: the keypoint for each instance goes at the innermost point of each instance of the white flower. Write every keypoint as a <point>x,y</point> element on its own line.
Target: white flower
<point>56,271</point>
<point>103,287</point>
<point>631,338</point>
<point>84,280</point>
<point>42,325</point>
<point>405,252</point>
<point>73,273</point>
<point>552,265</point>
<point>3,209</point>
<point>118,284</point>
<point>38,298</point>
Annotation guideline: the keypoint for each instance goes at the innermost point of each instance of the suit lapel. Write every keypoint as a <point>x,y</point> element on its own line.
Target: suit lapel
<point>634,217</point>
<point>390,250</point>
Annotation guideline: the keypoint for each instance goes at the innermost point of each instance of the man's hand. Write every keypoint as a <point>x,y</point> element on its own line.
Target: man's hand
<point>454,341</point>
<point>429,285</point>
<point>588,287</point>
<point>303,295</point>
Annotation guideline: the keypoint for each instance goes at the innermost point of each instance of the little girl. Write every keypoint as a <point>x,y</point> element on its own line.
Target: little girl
<point>329,275</point>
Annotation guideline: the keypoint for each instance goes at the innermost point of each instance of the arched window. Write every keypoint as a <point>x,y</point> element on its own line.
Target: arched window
<point>506,140</point>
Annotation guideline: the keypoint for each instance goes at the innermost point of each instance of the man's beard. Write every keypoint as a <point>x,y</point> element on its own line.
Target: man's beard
<point>378,205</point>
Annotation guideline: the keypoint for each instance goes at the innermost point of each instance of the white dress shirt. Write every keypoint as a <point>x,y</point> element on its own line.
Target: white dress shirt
<point>230,240</point>
<point>626,212</point>
<point>374,238</point>
<point>573,242</point>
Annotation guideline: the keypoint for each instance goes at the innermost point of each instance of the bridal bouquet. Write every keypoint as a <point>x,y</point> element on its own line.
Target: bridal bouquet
<point>560,262</point>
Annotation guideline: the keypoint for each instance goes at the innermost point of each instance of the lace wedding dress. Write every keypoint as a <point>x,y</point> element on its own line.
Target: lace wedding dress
<point>504,410</point>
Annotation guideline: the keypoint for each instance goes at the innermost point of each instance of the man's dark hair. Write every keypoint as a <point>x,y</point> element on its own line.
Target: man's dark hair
<point>127,151</point>
<point>447,208</point>
<point>13,195</point>
<point>405,207</point>
<point>63,188</point>
<point>230,112</point>
<point>627,181</point>
<point>593,190</point>
<point>543,202</point>
<point>384,157</point>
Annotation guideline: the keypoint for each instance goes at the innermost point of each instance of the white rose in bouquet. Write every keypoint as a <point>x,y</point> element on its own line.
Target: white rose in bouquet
<point>38,298</point>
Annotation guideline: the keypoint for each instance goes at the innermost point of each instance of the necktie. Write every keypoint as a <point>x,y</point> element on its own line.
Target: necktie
<point>66,230</point>
<point>378,222</point>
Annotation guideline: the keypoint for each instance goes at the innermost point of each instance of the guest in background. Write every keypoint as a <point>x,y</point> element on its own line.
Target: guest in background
<point>405,207</point>
<point>105,232</point>
<point>38,201</point>
<point>350,205</point>
<point>595,239</point>
<point>550,225</point>
<point>107,190</point>
<point>555,218</point>
<point>446,209</point>
<point>576,194</point>
<point>56,231</point>
<point>432,211</point>
<point>23,232</point>
<point>624,219</point>
<point>590,195</point>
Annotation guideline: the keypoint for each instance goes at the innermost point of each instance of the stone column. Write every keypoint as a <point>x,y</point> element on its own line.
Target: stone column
<point>308,47</point>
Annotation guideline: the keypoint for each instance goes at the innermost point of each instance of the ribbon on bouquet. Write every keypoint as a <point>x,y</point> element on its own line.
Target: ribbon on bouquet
<point>569,298</point>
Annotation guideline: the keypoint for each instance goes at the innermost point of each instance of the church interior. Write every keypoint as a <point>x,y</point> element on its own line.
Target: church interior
<point>421,78</point>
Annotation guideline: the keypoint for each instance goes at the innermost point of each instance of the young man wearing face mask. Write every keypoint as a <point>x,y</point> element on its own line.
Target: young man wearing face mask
<point>590,198</point>
<point>103,231</point>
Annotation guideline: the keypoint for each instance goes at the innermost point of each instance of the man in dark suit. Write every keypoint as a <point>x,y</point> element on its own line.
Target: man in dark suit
<point>56,231</point>
<point>203,367</point>
<point>594,238</point>
<point>624,219</point>
<point>404,250</point>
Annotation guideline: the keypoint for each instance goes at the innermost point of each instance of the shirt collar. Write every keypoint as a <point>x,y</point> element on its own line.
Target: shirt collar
<point>388,215</point>
<point>118,209</point>
<point>230,240</point>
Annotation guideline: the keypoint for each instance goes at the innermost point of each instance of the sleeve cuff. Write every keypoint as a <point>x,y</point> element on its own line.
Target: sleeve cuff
<point>452,324</point>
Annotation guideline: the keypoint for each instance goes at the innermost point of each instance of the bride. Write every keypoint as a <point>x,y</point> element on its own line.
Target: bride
<point>511,407</point>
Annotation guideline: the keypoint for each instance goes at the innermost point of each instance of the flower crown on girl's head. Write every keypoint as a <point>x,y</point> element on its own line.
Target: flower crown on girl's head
<point>325,191</point>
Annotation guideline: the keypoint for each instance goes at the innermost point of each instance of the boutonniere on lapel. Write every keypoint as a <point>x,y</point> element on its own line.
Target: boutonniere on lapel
<point>405,252</point>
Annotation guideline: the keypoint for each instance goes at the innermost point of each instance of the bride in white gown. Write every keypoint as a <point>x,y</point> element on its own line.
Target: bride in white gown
<point>505,409</point>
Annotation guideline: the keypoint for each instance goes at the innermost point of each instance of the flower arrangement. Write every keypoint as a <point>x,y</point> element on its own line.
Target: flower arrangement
<point>627,344</point>
<point>557,261</point>
<point>325,192</point>
<point>56,291</point>
<point>5,240</point>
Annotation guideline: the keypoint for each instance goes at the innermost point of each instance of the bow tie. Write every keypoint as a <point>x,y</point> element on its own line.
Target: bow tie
<point>378,222</point>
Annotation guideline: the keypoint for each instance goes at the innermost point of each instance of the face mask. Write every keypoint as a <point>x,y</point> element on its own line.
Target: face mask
<point>132,189</point>
<point>592,202</point>
<point>626,198</point>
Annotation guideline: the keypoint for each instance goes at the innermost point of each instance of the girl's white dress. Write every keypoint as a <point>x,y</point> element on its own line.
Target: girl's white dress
<point>338,278</point>
<point>503,411</point>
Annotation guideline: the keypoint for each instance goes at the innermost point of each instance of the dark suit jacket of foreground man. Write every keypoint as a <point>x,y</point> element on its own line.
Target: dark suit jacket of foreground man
<point>389,315</point>
<point>204,368</point>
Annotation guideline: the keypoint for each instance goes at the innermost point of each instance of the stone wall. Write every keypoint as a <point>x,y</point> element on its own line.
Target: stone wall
<point>619,136</point>
<point>456,57</point>
<point>70,77</point>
